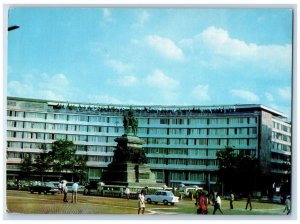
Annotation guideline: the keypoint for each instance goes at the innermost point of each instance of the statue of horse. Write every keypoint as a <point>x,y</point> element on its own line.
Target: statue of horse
<point>130,121</point>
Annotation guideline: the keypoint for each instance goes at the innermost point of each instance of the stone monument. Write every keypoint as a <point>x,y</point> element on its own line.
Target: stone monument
<point>129,166</point>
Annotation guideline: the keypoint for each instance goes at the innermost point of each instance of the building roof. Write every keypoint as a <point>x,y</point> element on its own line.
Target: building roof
<point>207,108</point>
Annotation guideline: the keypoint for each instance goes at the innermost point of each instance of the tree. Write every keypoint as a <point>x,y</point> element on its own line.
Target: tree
<point>42,163</point>
<point>237,172</point>
<point>227,167</point>
<point>26,166</point>
<point>79,168</point>
<point>62,156</point>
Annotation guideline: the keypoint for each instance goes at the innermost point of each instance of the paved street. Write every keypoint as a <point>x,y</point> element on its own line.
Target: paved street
<point>26,203</point>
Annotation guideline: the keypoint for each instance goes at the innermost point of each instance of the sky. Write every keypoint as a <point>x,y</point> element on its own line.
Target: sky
<point>152,56</point>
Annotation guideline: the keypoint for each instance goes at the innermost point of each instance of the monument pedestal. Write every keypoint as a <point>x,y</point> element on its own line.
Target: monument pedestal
<point>129,167</point>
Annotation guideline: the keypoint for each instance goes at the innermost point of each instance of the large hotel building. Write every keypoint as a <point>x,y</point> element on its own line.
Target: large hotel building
<point>181,142</point>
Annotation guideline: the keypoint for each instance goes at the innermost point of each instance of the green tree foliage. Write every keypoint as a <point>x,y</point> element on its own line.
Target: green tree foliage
<point>237,172</point>
<point>63,155</point>
<point>79,168</point>
<point>26,166</point>
<point>42,163</point>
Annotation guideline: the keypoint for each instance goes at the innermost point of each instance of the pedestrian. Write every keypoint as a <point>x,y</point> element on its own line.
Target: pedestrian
<point>60,188</point>
<point>249,198</point>
<point>231,200</point>
<point>127,193</point>
<point>141,202</point>
<point>287,205</point>
<point>65,190</point>
<point>203,203</point>
<point>217,205</point>
<point>74,192</point>
<point>197,199</point>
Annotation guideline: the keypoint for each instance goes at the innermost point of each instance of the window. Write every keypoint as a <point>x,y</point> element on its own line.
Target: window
<point>62,127</point>
<point>60,117</point>
<point>162,121</point>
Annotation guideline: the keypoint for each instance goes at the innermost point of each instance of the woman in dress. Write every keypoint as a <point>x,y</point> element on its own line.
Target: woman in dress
<point>141,202</point>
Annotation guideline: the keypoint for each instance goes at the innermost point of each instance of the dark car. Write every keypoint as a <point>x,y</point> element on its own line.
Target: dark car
<point>91,188</point>
<point>44,187</point>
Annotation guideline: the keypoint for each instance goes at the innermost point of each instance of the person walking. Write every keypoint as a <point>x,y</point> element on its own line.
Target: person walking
<point>65,191</point>
<point>141,202</point>
<point>60,188</point>
<point>203,203</point>
<point>217,205</point>
<point>249,199</point>
<point>127,193</point>
<point>74,192</point>
<point>287,205</point>
<point>231,200</point>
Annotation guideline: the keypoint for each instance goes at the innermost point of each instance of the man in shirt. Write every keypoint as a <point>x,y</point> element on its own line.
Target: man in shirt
<point>74,192</point>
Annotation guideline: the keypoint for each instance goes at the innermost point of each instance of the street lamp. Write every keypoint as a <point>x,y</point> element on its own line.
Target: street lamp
<point>10,28</point>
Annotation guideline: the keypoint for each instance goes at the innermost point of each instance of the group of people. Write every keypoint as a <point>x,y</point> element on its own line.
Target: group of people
<point>63,188</point>
<point>203,200</point>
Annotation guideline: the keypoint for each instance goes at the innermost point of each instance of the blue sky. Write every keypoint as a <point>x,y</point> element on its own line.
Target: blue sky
<point>165,56</point>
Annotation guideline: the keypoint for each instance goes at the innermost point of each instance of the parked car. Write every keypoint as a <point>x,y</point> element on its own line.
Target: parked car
<point>166,197</point>
<point>91,188</point>
<point>44,187</point>
<point>277,199</point>
<point>12,185</point>
<point>187,190</point>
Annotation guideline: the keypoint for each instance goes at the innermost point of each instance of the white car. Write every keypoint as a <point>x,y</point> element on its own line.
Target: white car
<point>166,197</point>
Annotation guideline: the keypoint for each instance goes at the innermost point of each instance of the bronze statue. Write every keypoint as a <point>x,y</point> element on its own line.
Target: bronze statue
<point>130,121</point>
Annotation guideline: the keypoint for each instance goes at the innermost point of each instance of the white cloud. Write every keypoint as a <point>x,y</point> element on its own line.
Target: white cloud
<point>285,93</point>
<point>56,87</point>
<point>161,81</point>
<point>119,66</point>
<point>269,96</point>
<point>166,88</point>
<point>200,92</point>
<point>103,99</point>
<point>16,88</point>
<point>245,95</point>
<point>127,81</point>
<point>217,42</point>
<point>165,47</point>
<point>143,17</point>
<point>107,14</point>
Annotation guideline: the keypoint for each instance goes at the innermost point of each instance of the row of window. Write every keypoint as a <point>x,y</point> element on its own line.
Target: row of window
<point>195,152</point>
<point>179,161</point>
<point>186,175</point>
<point>279,146</point>
<point>47,146</point>
<point>282,137</point>
<point>154,131</point>
<point>50,136</point>
<point>119,120</point>
<point>199,121</point>
<point>280,157</point>
<point>282,127</point>
<point>202,141</point>
<point>64,117</point>
<point>198,131</point>
<point>21,155</point>
<point>62,127</point>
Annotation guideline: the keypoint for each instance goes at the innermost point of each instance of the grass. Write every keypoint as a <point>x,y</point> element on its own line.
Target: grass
<point>26,203</point>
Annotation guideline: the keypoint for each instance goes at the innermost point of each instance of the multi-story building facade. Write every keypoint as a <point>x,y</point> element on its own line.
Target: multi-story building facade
<point>181,142</point>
